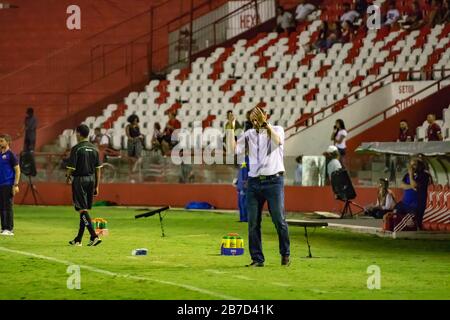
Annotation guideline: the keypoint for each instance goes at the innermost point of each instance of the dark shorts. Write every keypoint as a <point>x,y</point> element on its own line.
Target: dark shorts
<point>135,148</point>
<point>170,141</point>
<point>403,208</point>
<point>83,192</point>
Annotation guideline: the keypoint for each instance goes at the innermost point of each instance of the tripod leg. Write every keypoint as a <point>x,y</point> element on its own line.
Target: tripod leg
<point>307,242</point>
<point>33,192</point>
<point>344,210</point>
<point>161,223</point>
<point>25,194</point>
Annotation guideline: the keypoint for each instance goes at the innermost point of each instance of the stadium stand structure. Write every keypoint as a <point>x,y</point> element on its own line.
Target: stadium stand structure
<point>437,213</point>
<point>277,72</point>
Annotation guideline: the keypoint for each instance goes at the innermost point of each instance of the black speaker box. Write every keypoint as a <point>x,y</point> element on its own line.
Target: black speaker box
<point>27,164</point>
<point>342,185</point>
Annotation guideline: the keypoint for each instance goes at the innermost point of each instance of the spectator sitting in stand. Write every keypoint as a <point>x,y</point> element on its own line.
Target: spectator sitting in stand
<point>285,21</point>
<point>347,32</point>
<point>392,15</point>
<point>168,142</point>
<point>349,14</point>
<point>98,138</point>
<point>414,19</point>
<point>434,132</point>
<point>385,201</point>
<point>321,43</point>
<point>404,135</point>
<point>103,143</point>
<point>329,35</point>
<point>303,10</point>
<point>157,138</point>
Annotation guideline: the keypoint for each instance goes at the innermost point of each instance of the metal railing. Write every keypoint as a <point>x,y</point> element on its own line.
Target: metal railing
<point>315,117</point>
<point>385,112</point>
<point>187,44</point>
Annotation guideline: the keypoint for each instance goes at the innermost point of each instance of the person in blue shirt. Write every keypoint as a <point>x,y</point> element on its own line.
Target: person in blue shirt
<point>409,200</point>
<point>241,187</point>
<point>415,183</point>
<point>9,184</point>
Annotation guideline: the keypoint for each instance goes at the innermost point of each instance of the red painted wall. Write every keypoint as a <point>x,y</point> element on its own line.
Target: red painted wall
<point>297,199</point>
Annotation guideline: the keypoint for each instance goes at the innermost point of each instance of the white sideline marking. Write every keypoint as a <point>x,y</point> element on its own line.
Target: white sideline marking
<point>215,271</point>
<point>243,278</point>
<point>122,275</point>
<point>279,284</point>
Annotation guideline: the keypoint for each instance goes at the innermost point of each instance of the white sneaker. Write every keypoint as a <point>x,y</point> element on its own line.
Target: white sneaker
<point>7,233</point>
<point>3,233</point>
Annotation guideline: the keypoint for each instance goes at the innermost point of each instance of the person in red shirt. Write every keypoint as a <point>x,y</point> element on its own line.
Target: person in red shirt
<point>168,140</point>
<point>434,132</point>
<point>414,19</point>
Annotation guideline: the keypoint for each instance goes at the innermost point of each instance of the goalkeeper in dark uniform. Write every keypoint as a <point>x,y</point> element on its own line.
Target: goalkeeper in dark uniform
<point>83,171</point>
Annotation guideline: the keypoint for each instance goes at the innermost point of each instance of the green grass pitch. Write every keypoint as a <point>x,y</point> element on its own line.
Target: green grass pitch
<point>186,263</point>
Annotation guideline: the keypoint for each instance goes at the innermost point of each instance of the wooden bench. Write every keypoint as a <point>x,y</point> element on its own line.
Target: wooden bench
<point>305,224</point>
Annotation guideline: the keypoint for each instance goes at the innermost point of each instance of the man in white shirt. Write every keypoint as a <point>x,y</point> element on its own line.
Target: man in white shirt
<point>334,164</point>
<point>99,138</point>
<point>303,11</point>
<point>266,183</point>
<point>349,14</point>
<point>285,20</point>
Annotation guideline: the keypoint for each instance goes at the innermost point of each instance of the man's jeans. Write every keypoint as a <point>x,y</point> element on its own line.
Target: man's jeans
<point>258,192</point>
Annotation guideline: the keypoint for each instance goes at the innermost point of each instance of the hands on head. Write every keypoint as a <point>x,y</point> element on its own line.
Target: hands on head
<point>258,118</point>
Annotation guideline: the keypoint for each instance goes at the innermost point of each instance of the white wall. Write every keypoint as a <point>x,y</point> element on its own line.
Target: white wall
<point>315,139</point>
<point>246,19</point>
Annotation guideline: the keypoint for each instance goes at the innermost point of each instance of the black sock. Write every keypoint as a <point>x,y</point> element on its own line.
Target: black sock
<point>80,230</point>
<point>88,224</point>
